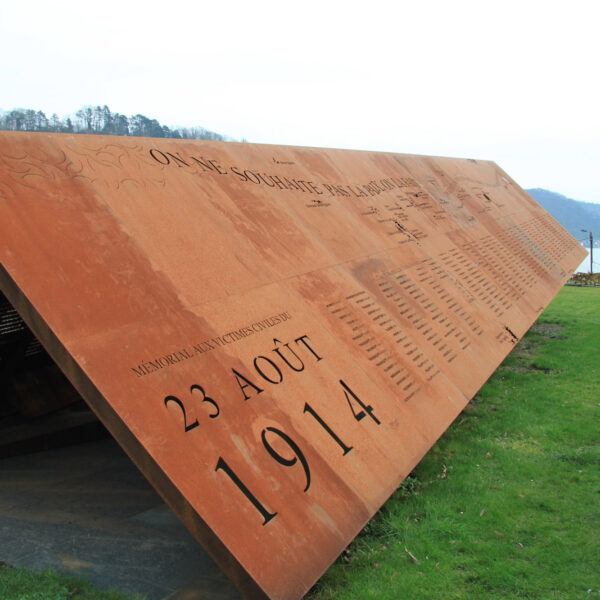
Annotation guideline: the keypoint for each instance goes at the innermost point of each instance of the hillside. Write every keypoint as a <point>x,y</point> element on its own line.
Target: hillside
<point>571,214</point>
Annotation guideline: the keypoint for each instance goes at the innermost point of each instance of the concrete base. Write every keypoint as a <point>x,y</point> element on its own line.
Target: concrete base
<point>87,511</point>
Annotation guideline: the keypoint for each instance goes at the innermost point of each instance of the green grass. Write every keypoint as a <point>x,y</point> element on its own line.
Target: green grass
<point>506,505</point>
<point>20,584</point>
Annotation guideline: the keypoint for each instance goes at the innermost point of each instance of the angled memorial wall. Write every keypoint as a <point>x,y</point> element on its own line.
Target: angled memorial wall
<point>275,335</point>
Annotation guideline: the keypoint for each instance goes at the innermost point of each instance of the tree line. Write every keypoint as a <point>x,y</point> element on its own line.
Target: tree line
<point>100,120</point>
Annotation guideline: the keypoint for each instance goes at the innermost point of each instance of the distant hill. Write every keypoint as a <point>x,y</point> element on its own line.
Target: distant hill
<point>571,214</point>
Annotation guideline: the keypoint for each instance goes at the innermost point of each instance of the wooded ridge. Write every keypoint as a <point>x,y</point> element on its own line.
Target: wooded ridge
<point>101,121</point>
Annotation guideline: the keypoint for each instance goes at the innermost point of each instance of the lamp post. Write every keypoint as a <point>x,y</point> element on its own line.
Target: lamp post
<point>591,249</point>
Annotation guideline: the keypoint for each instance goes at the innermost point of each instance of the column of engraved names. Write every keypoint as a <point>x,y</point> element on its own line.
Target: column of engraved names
<point>431,275</point>
<point>430,323</point>
<point>535,251</point>
<point>470,276</point>
<point>550,237</point>
<point>522,277</point>
<point>516,242</point>
<point>501,269</point>
<point>382,341</point>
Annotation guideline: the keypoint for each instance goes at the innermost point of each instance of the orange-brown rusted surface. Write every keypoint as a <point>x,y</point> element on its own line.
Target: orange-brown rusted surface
<point>276,335</point>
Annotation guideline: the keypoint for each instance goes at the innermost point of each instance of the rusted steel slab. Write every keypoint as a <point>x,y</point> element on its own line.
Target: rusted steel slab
<point>275,335</point>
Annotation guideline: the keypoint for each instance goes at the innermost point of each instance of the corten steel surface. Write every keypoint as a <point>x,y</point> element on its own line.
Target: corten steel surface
<point>276,335</point>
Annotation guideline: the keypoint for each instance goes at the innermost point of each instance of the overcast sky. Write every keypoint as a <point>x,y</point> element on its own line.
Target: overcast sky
<point>516,82</point>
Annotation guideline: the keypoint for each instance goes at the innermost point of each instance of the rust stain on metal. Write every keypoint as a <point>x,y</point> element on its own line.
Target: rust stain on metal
<point>275,335</point>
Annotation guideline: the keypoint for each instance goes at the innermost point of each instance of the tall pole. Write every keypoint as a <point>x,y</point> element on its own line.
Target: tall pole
<point>591,250</point>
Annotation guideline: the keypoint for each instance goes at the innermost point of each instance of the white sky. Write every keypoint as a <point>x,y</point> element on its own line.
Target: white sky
<point>516,82</point>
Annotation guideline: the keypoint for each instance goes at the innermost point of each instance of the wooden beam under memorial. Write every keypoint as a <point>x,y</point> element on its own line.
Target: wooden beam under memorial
<point>275,335</point>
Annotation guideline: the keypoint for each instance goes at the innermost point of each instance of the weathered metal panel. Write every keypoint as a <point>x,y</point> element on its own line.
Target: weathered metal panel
<point>276,335</point>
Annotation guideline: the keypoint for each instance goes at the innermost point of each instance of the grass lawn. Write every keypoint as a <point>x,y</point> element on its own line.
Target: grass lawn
<point>506,505</point>
<point>20,584</point>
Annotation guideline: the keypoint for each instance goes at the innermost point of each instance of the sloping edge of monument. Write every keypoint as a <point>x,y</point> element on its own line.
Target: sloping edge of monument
<point>136,452</point>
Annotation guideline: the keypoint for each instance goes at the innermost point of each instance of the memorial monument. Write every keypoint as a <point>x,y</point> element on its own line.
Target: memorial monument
<point>275,335</point>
